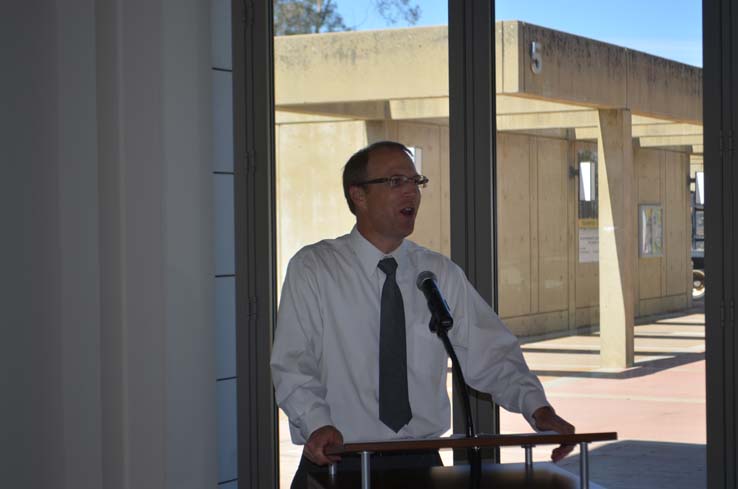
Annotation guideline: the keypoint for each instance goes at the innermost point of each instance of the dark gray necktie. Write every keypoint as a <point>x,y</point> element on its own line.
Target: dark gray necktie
<point>394,404</point>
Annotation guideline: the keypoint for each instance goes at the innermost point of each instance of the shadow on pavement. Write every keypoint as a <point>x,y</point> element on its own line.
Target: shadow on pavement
<point>633,464</point>
<point>639,370</point>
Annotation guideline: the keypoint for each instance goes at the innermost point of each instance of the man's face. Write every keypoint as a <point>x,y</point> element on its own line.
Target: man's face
<point>383,213</point>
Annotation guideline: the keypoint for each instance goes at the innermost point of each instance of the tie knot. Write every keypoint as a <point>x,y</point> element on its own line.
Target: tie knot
<point>388,265</point>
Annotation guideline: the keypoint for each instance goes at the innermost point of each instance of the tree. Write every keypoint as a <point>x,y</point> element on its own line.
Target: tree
<point>391,10</point>
<point>306,17</point>
<point>313,16</point>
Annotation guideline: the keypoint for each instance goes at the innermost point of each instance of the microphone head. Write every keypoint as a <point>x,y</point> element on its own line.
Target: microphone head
<point>423,276</point>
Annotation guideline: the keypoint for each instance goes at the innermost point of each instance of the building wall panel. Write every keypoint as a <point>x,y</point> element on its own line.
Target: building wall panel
<point>514,216</point>
<point>552,224</point>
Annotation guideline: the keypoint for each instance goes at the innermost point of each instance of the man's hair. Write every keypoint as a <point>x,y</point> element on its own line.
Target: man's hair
<point>355,169</point>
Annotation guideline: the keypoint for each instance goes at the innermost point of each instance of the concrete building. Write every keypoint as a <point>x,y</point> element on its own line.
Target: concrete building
<point>337,92</point>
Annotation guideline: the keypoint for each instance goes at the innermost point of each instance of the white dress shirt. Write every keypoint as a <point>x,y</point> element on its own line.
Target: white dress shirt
<point>325,360</point>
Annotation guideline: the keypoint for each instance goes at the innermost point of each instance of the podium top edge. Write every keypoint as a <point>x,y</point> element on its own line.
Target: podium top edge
<point>481,441</point>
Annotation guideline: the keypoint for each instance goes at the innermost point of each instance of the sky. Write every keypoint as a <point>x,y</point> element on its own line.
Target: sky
<point>668,28</point>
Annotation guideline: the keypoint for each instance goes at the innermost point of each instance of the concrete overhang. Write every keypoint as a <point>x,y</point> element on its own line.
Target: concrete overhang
<point>402,74</point>
<point>361,66</point>
<point>581,71</point>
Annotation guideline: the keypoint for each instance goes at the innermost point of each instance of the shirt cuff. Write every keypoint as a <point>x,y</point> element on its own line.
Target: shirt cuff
<point>531,403</point>
<point>312,420</point>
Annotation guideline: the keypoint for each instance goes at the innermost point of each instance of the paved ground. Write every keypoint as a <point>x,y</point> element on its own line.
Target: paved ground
<point>657,407</point>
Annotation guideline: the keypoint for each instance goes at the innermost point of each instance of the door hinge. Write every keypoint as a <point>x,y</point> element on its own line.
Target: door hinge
<point>249,162</point>
<point>253,306</point>
<point>726,143</point>
<point>730,143</point>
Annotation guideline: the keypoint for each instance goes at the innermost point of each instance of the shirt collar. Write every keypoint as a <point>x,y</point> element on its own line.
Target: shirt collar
<point>369,255</point>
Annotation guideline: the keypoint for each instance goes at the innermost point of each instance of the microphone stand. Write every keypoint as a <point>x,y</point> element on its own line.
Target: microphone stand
<point>473,454</point>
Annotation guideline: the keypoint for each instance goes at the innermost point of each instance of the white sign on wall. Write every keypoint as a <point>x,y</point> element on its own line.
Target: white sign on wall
<point>589,241</point>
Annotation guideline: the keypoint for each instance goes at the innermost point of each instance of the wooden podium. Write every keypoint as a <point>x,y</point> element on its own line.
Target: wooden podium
<point>527,475</point>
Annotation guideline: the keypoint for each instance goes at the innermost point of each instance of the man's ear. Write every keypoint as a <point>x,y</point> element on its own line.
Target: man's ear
<point>358,196</point>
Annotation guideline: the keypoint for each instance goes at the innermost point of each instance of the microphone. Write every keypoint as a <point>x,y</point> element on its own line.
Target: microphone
<point>441,321</point>
<point>440,314</point>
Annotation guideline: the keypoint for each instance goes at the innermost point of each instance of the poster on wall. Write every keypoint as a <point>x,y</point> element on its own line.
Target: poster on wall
<point>651,230</point>
<point>589,241</point>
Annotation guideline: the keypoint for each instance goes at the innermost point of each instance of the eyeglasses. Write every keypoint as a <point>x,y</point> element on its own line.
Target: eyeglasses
<point>397,181</point>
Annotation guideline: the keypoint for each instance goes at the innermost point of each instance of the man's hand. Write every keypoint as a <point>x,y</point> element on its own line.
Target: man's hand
<point>318,441</point>
<point>547,420</point>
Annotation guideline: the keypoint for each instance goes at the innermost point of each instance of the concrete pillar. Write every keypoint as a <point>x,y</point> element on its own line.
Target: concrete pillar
<point>617,211</point>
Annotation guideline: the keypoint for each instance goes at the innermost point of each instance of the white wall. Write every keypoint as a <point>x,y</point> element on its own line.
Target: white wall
<point>30,267</point>
<point>107,322</point>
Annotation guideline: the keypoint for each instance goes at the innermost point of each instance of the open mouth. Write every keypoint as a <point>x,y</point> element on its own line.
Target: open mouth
<point>407,211</point>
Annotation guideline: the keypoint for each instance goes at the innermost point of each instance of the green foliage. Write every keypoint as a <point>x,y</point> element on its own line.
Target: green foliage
<point>392,10</point>
<point>314,16</point>
<point>306,17</point>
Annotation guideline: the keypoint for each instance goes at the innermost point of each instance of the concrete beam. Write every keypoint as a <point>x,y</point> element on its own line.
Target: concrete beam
<point>514,114</point>
<point>419,108</point>
<point>653,131</point>
<point>546,120</point>
<point>582,71</point>
<point>669,129</point>
<point>368,110</point>
<point>583,133</point>
<point>617,226</point>
<point>552,115</point>
<point>664,88</point>
<point>437,107</point>
<point>513,104</point>
<point>283,117</point>
<point>369,65</point>
<point>359,66</point>
<point>651,141</point>
<point>564,60</point>
<point>642,119</point>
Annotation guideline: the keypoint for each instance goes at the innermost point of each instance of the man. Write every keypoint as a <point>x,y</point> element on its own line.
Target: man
<point>353,356</point>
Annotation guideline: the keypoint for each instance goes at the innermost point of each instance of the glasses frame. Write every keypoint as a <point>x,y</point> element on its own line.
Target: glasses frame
<point>420,181</point>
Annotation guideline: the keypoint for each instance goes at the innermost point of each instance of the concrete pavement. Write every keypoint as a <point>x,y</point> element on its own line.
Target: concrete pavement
<point>657,407</point>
